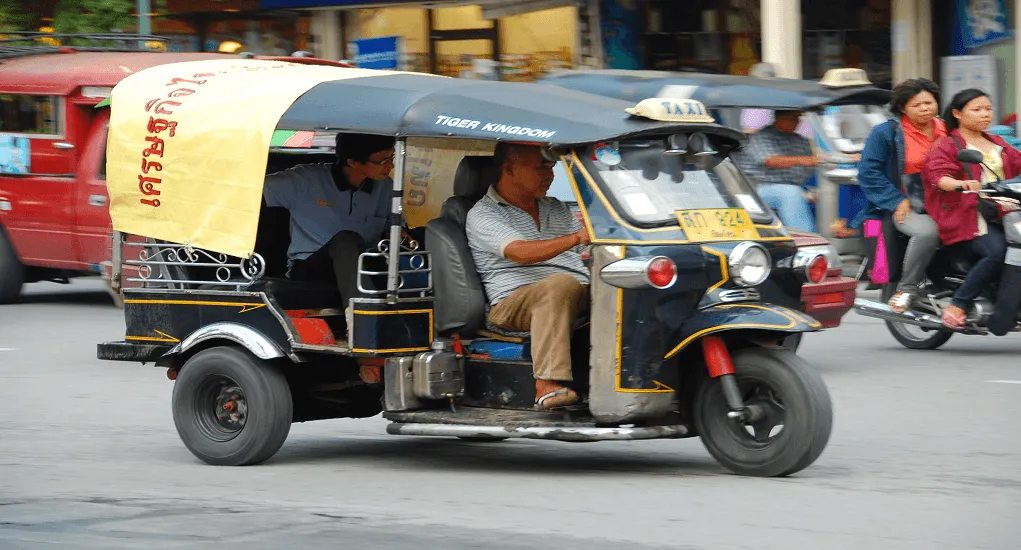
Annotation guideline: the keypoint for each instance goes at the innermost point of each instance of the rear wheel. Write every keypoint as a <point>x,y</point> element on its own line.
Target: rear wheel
<point>792,415</point>
<point>230,408</point>
<point>12,272</point>
<point>911,336</point>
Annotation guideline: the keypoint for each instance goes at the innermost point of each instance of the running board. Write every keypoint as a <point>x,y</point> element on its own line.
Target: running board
<point>558,433</point>
<point>879,310</point>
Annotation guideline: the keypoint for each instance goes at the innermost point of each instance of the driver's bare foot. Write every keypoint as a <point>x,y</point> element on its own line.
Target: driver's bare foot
<point>550,394</point>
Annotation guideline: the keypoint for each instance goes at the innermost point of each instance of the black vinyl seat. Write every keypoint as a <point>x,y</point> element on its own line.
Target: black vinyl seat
<point>460,304</point>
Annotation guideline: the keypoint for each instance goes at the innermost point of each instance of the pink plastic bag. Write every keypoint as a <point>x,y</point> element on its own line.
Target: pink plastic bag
<point>880,272</point>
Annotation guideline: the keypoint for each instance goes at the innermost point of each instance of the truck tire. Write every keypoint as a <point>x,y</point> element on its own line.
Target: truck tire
<point>12,273</point>
<point>230,408</point>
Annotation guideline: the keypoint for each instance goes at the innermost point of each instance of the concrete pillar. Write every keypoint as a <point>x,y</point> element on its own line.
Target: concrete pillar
<point>327,34</point>
<point>781,36</point>
<point>911,39</point>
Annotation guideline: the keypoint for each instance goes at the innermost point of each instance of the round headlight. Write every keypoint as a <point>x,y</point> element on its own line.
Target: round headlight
<point>749,264</point>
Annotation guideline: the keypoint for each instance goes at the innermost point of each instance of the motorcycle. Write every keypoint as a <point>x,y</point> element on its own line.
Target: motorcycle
<point>995,311</point>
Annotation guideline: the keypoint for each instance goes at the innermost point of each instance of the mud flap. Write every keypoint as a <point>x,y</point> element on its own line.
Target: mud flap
<point>1009,295</point>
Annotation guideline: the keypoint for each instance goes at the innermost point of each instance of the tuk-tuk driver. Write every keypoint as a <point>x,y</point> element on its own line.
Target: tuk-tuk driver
<point>780,160</point>
<point>526,247</point>
<point>337,210</point>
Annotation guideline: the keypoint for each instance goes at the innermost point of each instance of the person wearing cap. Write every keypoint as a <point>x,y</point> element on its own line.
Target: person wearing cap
<point>779,161</point>
<point>337,210</point>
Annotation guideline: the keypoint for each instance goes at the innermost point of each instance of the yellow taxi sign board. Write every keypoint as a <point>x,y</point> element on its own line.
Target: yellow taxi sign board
<point>672,110</point>
<point>717,224</point>
<point>841,78</point>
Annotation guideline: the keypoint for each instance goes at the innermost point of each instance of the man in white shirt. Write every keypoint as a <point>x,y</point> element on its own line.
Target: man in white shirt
<point>337,210</point>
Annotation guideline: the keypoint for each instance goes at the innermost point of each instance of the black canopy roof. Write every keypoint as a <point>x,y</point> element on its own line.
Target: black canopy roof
<point>407,104</point>
<point>718,91</point>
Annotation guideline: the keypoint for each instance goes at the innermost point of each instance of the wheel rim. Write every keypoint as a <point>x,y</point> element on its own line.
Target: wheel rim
<point>221,410</point>
<point>768,415</point>
<point>912,332</point>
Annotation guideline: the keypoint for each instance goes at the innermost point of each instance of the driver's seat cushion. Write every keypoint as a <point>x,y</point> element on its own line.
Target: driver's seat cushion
<point>460,304</point>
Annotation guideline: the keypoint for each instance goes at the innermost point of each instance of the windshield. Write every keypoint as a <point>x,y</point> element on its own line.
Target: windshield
<point>847,127</point>
<point>648,186</point>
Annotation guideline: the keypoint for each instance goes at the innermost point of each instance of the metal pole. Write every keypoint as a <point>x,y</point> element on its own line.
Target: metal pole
<point>396,221</point>
<point>144,21</point>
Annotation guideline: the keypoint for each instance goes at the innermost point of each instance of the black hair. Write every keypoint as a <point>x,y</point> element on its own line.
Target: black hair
<point>903,92</point>
<point>359,147</point>
<point>957,103</point>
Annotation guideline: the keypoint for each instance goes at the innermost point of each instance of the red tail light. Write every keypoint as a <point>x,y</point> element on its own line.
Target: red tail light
<point>662,272</point>
<point>817,269</point>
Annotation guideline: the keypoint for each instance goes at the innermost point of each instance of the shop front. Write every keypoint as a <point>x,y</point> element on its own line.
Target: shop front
<point>725,36</point>
<point>232,26</point>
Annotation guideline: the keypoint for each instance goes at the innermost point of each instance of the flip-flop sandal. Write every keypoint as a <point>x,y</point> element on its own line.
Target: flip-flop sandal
<point>562,397</point>
<point>900,302</point>
<point>954,322</point>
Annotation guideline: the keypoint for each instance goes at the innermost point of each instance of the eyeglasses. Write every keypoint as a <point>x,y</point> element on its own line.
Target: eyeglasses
<point>384,162</point>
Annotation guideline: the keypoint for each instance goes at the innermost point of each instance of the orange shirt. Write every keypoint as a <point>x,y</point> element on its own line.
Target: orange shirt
<point>917,144</point>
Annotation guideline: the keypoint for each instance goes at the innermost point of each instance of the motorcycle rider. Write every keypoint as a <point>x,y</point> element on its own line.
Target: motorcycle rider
<point>956,213</point>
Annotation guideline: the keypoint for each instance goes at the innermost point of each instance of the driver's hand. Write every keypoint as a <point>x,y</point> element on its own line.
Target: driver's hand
<point>971,185</point>
<point>583,238</point>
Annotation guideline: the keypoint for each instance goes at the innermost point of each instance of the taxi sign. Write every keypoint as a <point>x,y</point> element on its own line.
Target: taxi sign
<point>840,78</point>
<point>665,109</point>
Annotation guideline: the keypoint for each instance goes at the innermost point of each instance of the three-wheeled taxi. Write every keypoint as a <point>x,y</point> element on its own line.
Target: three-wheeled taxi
<point>841,109</point>
<point>678,342</point>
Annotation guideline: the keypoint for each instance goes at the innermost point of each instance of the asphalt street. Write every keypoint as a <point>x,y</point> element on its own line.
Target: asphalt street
<point>925,454</point>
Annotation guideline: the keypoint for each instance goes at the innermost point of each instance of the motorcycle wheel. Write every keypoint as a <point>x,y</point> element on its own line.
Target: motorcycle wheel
<point>910,336</point>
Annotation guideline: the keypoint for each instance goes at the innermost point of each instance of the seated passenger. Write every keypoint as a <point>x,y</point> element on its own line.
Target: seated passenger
<point>337,210</point>
<point>961,223</point>
<point>526,247</point>
<point>779,161</point>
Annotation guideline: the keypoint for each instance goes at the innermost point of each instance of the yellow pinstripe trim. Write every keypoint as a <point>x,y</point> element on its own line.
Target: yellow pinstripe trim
<point>793,322</point>
<point>660,387</point>
<point>724,267</point>
<point>163,337</point>
<point>390,350</point>
<point>245,306</point>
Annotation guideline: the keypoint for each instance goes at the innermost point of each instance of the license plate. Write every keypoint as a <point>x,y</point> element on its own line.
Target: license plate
<point>717,224</point>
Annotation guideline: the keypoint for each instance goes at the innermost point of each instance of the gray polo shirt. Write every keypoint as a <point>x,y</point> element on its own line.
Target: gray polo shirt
<point>770,142</point>
<point>493,224</point>
<point>319,209</point>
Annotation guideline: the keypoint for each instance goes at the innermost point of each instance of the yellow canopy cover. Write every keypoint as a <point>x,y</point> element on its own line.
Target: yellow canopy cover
<point>188,146</point>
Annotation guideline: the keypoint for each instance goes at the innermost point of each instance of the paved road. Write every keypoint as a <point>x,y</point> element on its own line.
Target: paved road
<point>925,454</point>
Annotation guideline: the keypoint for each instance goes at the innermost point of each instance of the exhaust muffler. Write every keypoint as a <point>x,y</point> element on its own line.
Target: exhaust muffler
<point>879,310</point>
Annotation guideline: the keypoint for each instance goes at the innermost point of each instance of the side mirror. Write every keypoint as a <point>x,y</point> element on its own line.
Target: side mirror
<point>969,156</point>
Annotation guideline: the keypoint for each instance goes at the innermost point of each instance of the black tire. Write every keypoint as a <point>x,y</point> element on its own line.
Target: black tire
<point>212,376</point>
<point>12,272</point>
<point>796,388</point>
<point>913,337</point>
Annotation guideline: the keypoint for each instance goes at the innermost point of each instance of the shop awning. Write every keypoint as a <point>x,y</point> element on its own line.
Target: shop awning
<point>494,9</point>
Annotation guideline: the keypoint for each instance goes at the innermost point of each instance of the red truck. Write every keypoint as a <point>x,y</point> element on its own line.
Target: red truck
<point>54,217</point>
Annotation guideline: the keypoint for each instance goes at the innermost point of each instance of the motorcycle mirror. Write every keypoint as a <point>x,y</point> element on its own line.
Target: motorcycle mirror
<point>969,156</point>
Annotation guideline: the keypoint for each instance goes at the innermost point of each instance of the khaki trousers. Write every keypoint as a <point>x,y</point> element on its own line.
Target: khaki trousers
<point>548,310</point>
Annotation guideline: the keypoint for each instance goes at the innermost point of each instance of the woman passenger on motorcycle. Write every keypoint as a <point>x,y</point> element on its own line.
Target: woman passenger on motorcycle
<point>956,213</point>
<point>890,177</point>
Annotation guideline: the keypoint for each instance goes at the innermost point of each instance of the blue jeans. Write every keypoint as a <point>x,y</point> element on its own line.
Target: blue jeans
<point>991,249</point>
<point>789,203</point>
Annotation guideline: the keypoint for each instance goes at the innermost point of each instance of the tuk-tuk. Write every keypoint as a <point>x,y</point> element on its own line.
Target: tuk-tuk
<point>678,342</point>
<point>840,111</point>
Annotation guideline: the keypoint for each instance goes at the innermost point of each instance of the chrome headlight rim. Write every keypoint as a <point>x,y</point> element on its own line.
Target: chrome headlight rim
<point>739,254</point>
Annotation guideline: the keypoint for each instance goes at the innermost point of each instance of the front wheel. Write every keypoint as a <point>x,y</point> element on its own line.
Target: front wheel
<point>230,408</point>
<point>911,336</point>
<point>792,415</point>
